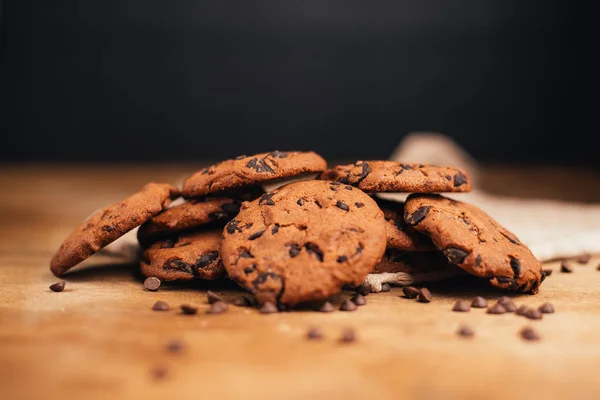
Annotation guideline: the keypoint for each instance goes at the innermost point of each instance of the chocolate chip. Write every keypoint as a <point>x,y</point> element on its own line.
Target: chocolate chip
<point>496,309</point>
<point>213,297</point>
<point>159,372</point>
<point>598,267</point>
<point>410,292</point>
<point>386,287</point>
<point>204,171</point>
<point>359,300</point>
<point>459,179</point>
<point>275,229</point>
<point>327,307</point>
<point>348,187</point>
<point>546,308</point>
<point>160,306</point>
<point>300,202</point>
<point>295,249</point>
<point>249,270</point>
<point>259,165</point>
<point>268,308</point>
<point>507,303</point>
<point>242,301</point>
<point>418,215</point>
<point>566,267</point>
<point>175,263</point>
<point>313,248</point>
<point>342,259</point>
<point>314,334</point>
<point>241,157</point>
<point>424,296</point>
<point>278,154</point>
<point>340,204</point>
<point>465,331</point>
<point>477,260</point>
<point>256,235</point>
<point>232,226</point>
<point>363,289</point>
<point>189,309</point>
<point>584,258</point>
<point>218,307</point>
<point>152,283</point>
<point>175,346</point>
<point>515,265</point>
<point>348,336</point>
<point>358,204</point>
<point>532,313</point>
<point>58,286</point>
<point>546,272</point>
<point>206,259</point>
<point>168,244</point>
<point>455,255</point>
<point>348,305</point>
<point>522,310</point>
<point>246,254</point>
<point>461,306</point>
<point>510,238</point>
<point>528,333</point>
<point>479,302</point>
<point>267,199</point>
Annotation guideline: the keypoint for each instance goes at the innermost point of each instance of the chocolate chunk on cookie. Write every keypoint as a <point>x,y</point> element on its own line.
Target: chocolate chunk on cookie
<point>190,256</point>
<point>392,176</point>
<point>110,223</point>
<point>401,235</point>
<point>475,242</point>
<point>252,170</point>
<point>289,251</point>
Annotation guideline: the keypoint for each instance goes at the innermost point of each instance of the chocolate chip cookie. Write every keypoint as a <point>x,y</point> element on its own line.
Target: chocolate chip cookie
<point>475,242</point>
<point>392,176</point>
<point>400,235</point>
<point>110,223</point>
<point>252,170</point>
<point>304,241</point>
<point>193,255</point>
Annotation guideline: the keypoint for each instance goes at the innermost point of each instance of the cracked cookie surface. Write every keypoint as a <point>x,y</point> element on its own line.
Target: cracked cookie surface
<point>304,241</point>
<point>392,176</point>
<point>252,170</point>
<point>475,242</point>
<point>110,223</point>
<point>187,257</point>
<point>400,235</point>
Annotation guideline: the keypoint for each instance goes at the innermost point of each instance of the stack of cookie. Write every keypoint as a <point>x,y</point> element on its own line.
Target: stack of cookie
<point>305,240</point>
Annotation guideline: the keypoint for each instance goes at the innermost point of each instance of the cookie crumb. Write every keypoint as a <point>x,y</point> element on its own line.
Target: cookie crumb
<point>363,289</point>
<point>532,313</point>
<point>529,334</point>
<point>160,306</point>
<point>359,300</point>
<point>175,346</point>
<point>507,303</point>
<point>242,301</point>
<point>584,258</point>
<point>465,331</point>
<point>461,306</point>
<point>546,308</point>
<point>152,283</point>
<point>479,302</point>
<point>268,308</point>
<point>386,288</point>
<point>314,334</point>
<point>410,292</point>
<point>348,336</point>
<point>58,286</point>
<point>327,307</point>
<point>348,305</point>
<point>496,309</point>
<point>218,307</point>
<point>424,295</point>
<point>189,309</point>
<point>566,267</point>
<point>212,297</point>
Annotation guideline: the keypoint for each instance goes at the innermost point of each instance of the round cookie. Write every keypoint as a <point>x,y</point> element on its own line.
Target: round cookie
<point>251,170</point>
<point>392,176</point>
<point>304,241</point>
<point>400,235</point>
<point>190,256</point>
<point>110,223</point>
<point>475,242</point>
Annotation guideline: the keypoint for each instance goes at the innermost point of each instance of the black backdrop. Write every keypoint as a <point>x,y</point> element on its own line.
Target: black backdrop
<point>511,80</point>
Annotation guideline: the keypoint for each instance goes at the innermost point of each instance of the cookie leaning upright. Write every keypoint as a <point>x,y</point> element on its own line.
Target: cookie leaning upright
<point>392,176</point>
<point>475,242</point>
<point>251,170</point>
<point>304,241</point>
<point>110,223</point>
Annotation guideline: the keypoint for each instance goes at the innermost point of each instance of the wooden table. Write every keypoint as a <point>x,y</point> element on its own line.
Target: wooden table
<point>100,339</point>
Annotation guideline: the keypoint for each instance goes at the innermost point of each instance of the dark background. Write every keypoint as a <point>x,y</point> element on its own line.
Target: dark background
<point>511,80</point>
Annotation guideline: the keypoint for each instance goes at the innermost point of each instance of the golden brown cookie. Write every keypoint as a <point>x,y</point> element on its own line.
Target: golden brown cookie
<point>304,241</point>
<point>475,242</point>
<point>400,235</point>
<point>189,256</point>
<point>252,170</point>
<point>392,176</point>
<point>110,223</point>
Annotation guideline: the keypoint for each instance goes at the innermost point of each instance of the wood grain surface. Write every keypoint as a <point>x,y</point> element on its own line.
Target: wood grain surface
<point>100,339</point>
